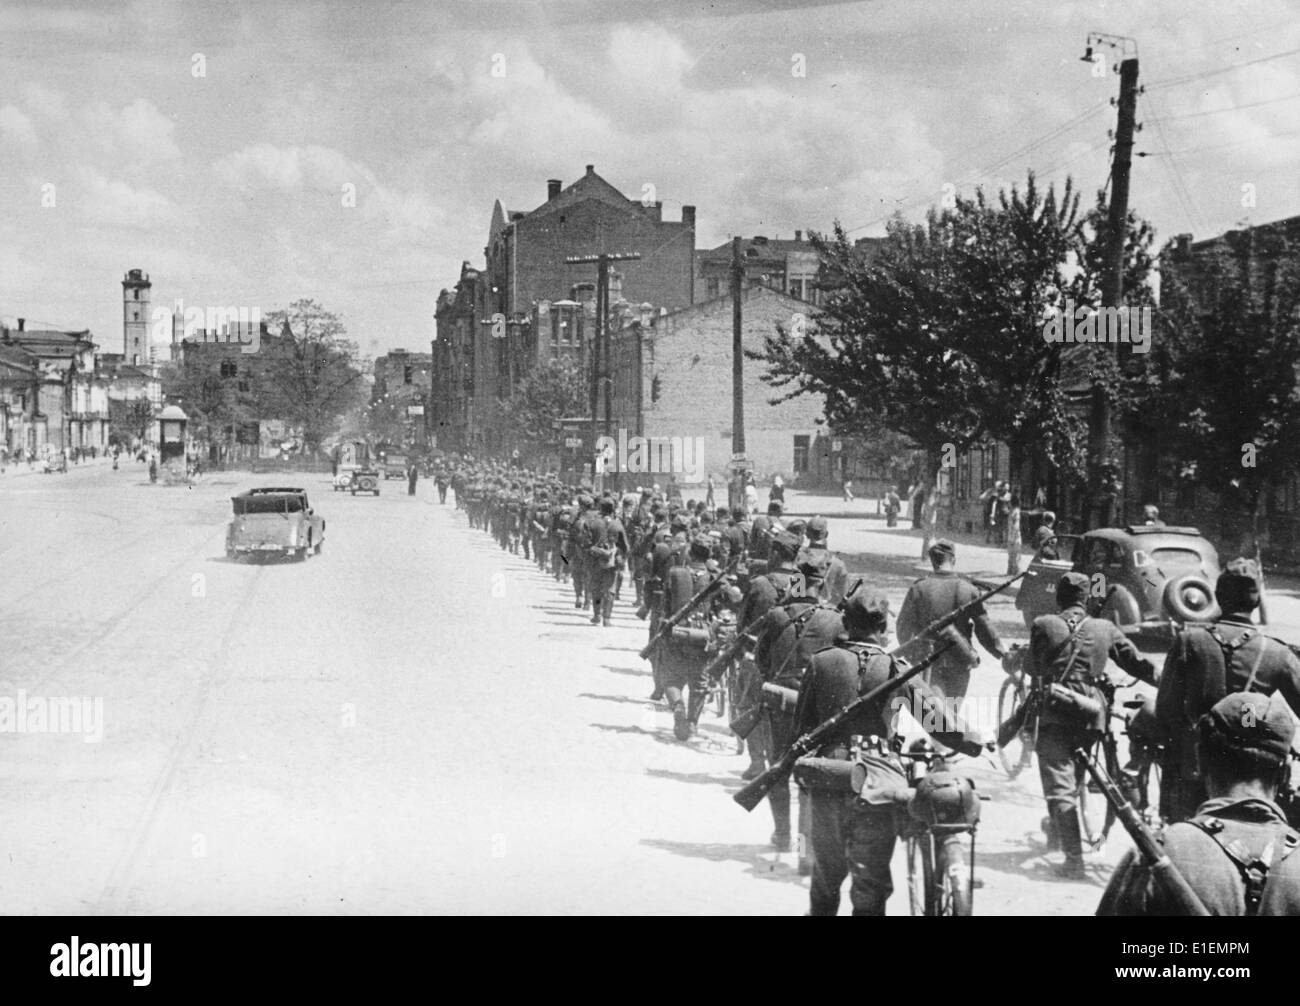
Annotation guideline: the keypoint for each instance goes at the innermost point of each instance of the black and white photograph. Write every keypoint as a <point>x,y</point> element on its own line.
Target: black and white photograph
<point>606,458</point>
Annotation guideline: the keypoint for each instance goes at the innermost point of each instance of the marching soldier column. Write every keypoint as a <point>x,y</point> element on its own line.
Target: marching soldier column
<point>815,693</point>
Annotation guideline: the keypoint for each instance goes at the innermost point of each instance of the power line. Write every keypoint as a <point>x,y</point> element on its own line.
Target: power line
<point>1226,69</point>
<point>1227,108</point>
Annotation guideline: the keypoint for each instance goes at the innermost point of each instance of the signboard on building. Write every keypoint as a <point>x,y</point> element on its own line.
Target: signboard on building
<point>573,442</point>
<point>415,410</point>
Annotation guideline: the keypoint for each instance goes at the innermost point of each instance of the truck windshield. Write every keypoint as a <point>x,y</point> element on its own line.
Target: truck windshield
<point>268,504</point>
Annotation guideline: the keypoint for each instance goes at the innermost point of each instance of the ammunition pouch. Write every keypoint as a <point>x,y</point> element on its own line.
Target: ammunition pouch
<point>743,723</point>
<point>824,775</point>
<point>695,638</point>
<point>945,802</point>
<point>778,699</point>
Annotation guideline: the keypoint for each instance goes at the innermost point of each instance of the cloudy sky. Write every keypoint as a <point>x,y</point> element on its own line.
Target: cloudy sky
<point>230,186</point>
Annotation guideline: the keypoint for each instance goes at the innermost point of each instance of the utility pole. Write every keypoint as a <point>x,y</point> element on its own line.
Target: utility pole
<point>737,371</point>
<point>1105,470</point>
<point>600,374</point>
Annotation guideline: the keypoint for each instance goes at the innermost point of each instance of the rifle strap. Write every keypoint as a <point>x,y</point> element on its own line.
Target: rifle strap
<point>1254,869</point>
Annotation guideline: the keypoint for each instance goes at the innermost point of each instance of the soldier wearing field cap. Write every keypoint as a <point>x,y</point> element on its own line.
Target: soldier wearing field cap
<point>1207,662</point>
<point>854,835</point>
<point>1236,851</point>
<point>1070,651</point>
<point>834,575</point>
<point>939,594</point>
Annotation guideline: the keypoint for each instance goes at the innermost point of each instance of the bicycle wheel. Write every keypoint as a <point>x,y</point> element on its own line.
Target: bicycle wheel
<point>919,871</point>
<point>1096,815</point>
<point>1148,788</point>
<point>1017,754</point>
<point>952,876</point>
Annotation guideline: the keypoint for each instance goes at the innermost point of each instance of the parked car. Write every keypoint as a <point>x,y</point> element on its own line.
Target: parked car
<point>365,480</point>
<point>274,521</point>
<point>1145,579</point>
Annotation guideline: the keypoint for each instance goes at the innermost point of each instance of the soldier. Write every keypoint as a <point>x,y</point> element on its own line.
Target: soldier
<point>576,552</point>
<point>1207,662</point>
<point>796,626</point>
<point>669,551</point>
<point>851,835</point>
<point>606,554</point>
<point>1237,852</point>
<point>412,475</point>
<point>539,529</point>
<point>561,520</point>
<point>441,481</point>
<point>815,553</point>
<point>939,594</point>
<point>1069,651</point>
<point>1044,542</point>
<point>682,658</point>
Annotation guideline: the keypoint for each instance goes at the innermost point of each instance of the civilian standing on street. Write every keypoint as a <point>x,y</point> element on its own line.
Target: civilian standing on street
<point>1013,537</point>
<point>412,474</point>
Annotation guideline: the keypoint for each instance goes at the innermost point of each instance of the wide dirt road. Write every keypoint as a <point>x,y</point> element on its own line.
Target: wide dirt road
<point>413,721</point>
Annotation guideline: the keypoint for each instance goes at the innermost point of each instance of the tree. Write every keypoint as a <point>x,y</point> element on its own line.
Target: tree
<point>1223,385</point>
<point>218,388</point>
<point>311,372</point>
<point>552,391</point>
<point>129,418</point>
<point>939,335</point>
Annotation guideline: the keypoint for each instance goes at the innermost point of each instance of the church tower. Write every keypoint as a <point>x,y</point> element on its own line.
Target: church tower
<point>137,346</point>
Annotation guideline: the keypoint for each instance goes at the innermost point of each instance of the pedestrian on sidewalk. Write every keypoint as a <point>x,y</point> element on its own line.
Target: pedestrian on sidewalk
<point>708,496</point>
<point>776,494</point>
<point>848,490</point>
<point>1013,536</point>
<point>412,474</point>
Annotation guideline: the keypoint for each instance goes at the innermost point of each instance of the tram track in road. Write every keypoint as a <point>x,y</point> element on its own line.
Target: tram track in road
<point>217,674</point>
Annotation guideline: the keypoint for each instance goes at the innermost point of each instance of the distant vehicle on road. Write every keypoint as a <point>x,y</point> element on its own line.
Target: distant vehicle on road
<point>394,466</point>
<point>1145,578</point>
<point>274,521</point>
<point>365,480</point>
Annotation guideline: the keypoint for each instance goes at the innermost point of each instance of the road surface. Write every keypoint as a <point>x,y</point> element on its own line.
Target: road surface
<point>411,722</point>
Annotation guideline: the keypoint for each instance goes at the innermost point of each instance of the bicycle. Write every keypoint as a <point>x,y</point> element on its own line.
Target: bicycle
<point>941,810</point>
<point>1018,753</point>
<point>724,690</point>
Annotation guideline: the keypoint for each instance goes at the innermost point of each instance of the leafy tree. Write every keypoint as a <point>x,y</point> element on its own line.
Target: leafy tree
<point>129,418</point>
<point>551,391</point>
<point>938,336</point>
<point>217,388</point>
<point>311,373</point>
<point>1223,382</point>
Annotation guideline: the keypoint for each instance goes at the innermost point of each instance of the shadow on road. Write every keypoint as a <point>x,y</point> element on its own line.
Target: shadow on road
<point>759,859</point>
<point>727,783</point>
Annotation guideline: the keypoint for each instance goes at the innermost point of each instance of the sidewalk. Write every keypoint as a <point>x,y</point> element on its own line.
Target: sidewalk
<point>13,470</point>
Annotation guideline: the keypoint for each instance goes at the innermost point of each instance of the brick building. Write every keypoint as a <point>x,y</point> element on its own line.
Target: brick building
<point>672,383</point>
<point>782,264</point>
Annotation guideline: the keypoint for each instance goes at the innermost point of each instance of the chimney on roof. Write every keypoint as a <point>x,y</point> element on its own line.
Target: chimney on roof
<point>798,235</point>
<point>22,323</point>
<point>591,169</point>
<point>760,239</point>
<point>688,216</point>
<point>552,188</point>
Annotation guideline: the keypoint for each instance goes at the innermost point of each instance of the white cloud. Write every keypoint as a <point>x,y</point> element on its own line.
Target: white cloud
<point>138,133</point>
<point>117,204</point>
<point>17,127</point>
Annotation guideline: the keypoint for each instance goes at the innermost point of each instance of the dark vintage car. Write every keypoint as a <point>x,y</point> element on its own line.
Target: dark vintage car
<point>365,480</point>
<point>394,466</point>
<point>274,521</point>
<point>1144,578</point>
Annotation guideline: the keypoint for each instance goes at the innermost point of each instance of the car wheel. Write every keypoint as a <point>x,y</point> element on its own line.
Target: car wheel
<point>1190,599</point>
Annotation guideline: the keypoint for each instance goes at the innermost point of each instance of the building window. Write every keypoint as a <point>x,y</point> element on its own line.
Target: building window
<point>137,294</point>
<point>801,446</point>
<point>135,315</point>
<point>713,288</point>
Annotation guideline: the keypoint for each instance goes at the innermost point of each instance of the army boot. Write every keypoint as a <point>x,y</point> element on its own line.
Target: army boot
<point>1066,824</point>
<point>606,610</point>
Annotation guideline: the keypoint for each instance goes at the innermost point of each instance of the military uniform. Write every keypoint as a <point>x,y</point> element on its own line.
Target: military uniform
<point>682,659</point>
<point>790,633</point>
<point>1237,852</point>
<point>932,597</point>
<point>852,836</point>
<point>1072,650</point>
<point>1205,663</point>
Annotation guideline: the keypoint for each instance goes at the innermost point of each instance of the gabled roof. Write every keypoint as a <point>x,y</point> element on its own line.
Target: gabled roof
<point>771,248</point>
